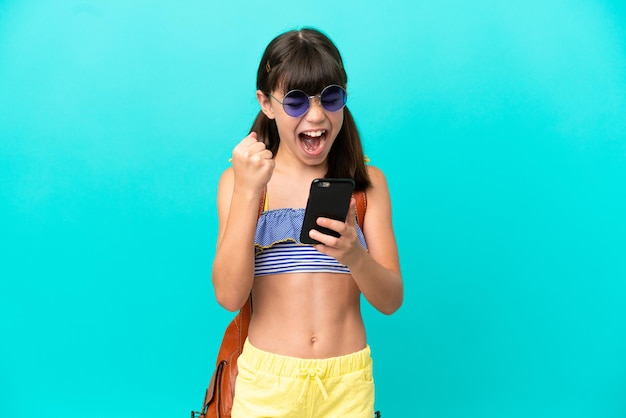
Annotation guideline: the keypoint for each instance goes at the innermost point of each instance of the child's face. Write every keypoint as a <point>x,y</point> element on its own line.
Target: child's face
<point>309,137</point>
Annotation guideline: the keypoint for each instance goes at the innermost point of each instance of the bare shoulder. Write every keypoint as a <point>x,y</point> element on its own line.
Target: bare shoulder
<point>378,199</point>
<point>372,170</point>
<point>225,190</point>
<point>227,179</point>
<point>379,182</point>
<point>227,175</point>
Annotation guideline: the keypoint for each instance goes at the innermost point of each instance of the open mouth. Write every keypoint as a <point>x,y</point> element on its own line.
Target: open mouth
<point>313,141</point>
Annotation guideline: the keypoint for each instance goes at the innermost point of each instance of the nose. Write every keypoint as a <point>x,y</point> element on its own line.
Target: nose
<point>316,111</point>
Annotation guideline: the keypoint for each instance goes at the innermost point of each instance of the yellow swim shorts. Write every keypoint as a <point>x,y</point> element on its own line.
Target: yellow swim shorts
<point>272,386</point>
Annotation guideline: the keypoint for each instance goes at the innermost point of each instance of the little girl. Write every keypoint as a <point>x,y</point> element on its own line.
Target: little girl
<point>306,354</point>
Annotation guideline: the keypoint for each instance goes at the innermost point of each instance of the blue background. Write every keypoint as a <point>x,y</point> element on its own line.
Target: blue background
<point>500,125</point>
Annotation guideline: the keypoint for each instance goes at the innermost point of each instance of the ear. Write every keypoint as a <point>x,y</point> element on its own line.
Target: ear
<point>266,104</point>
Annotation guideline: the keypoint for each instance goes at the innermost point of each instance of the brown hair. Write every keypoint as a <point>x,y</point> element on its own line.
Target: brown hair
<point>306,59</point>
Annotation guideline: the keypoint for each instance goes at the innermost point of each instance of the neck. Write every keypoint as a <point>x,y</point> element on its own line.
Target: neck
<point>296,168</point>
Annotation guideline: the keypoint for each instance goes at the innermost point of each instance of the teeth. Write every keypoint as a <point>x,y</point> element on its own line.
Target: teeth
<point>314,134</point>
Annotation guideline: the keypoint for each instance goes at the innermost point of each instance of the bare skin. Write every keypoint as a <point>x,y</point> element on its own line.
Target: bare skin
<point>305,315</point>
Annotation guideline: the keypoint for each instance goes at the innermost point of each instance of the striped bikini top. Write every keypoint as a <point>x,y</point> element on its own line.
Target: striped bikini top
<point>278,248</point>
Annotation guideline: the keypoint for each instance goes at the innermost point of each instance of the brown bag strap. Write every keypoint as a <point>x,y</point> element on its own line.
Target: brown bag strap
<point>245,314</point>
<point>361,206</point>
<point>262,202</point>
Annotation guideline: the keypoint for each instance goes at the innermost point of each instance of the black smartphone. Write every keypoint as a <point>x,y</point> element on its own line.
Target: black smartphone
<point>328,198</point>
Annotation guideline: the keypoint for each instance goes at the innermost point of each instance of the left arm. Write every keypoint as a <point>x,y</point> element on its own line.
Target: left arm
<point>376,271</point>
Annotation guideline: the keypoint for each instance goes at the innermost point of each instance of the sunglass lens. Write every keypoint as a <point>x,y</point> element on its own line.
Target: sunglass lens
<point>296,103</point>
<point>333,98</point>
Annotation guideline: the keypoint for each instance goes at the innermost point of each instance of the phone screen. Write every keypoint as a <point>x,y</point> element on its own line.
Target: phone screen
<point>328,198</point>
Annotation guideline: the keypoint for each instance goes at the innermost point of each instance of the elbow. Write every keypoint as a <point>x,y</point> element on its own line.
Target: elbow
<point>230,295</point>
<point>391,308</point>
<point>229,302</point>
<point>394,304</point>
<point>229,298</point>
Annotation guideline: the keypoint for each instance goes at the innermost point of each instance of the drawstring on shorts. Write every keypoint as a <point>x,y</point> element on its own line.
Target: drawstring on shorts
<point>311,373</point>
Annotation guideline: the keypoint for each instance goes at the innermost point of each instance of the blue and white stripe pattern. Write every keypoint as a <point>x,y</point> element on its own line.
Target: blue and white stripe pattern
<point>278,248</point>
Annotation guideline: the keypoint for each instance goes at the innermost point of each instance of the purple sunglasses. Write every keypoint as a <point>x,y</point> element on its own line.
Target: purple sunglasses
<point>296,102</point>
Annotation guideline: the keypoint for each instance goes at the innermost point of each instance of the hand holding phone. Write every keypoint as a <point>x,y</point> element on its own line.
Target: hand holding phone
<point>328,198</point>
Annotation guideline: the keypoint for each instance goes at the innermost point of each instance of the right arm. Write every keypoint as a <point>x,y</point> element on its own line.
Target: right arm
<point>239,192</point>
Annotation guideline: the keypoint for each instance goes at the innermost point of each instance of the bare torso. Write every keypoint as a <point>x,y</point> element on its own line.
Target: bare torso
<point>307,315</point>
